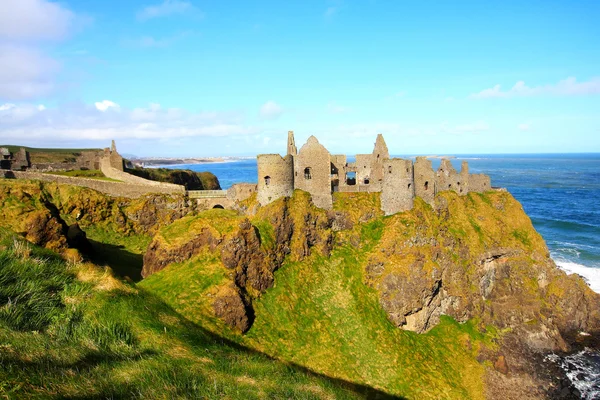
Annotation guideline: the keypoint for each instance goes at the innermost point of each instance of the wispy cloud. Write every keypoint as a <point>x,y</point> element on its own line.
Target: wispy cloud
<point>566,87</point>
<point>168,8</point>
<point>270,110</point>
<point>334,7</point>
<point>473,127</point>
<point>524,127</point>
<point>26,69</point>
<point>105,120</point>
<point>105,105</point>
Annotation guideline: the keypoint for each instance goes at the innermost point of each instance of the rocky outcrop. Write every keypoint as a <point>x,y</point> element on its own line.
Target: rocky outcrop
<point>477,258</point>
<point>291,227</point>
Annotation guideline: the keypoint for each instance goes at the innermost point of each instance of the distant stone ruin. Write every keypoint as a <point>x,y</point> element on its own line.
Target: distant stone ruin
<point>316,171</point>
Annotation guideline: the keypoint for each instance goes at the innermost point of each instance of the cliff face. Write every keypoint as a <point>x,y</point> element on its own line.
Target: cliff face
<point>342,291</point>
<point>468,256</point>
<point>42,212</point>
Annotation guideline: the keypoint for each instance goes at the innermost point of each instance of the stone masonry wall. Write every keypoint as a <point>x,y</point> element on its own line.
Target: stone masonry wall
<point>117,189</point>
<point>424,178</point>
<point>275,177</point>
<point>241,191</point>
<point>398,191</point>
<point>479,183</point>
<point>312,173</point>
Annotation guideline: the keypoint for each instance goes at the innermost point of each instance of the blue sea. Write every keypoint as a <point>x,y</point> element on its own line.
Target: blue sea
<point>559,192</point>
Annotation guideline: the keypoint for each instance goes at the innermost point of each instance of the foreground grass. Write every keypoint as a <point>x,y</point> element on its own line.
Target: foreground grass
<point>74,331</point>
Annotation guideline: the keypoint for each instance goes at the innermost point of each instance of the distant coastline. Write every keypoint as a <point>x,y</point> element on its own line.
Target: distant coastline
<point>157,162</point>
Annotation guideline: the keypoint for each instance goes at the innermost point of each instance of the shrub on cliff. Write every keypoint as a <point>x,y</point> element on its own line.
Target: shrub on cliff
<point>190,179</point>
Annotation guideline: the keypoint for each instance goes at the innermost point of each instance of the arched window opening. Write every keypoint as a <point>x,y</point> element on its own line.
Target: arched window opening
<point>409,185</point>
<point>219,206</point>
<point>366,181</point>
<point>267,180</point>
<point>389,169</point>
<point>406,169</point>
<point>426,185</point>
<point>449,185</point>
<point>307,174</point>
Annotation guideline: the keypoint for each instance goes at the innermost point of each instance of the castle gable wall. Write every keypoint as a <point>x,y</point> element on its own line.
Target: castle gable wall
<point>312,172</point>
<point>424,176</point>
<point>397,193</point>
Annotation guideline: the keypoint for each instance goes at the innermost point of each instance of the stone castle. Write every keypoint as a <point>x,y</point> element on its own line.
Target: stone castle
<point>316,171</point>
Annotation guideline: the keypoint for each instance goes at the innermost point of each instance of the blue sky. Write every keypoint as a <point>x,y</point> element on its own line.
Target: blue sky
<point>211,78</point>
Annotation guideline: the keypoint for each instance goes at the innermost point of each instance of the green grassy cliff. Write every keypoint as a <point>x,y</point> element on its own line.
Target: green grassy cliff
<point>459,300</point>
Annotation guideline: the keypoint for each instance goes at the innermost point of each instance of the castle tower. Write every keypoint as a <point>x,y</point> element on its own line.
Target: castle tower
<point>113,147</point>
<point>275,177</point>
<point>424,180</point>
<point>398,192</point>
<point>291,146</point>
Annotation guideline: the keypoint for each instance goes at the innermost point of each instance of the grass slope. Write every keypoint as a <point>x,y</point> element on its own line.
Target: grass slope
<point>74,331</point>
<point>322,315</point>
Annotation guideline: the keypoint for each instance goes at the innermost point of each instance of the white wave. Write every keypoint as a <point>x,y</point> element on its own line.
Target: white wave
<point>591,275</point>
<point>583,371</point>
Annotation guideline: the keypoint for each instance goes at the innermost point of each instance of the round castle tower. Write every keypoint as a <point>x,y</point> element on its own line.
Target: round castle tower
<point>275,177</point>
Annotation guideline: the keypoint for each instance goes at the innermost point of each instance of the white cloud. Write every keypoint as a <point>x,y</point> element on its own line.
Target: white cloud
<point>85,122</point>
<point>524,127</point>
<point>566,87</point>
<point>6,106</point>
<point>25,72</point>
<point>167,8</point>
<point>105,105</point>
<point>34,20</point>
<point>271,110</point>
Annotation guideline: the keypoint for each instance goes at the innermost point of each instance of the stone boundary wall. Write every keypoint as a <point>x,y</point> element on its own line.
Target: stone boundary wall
<point>117,189</point>
<point>113,173</point>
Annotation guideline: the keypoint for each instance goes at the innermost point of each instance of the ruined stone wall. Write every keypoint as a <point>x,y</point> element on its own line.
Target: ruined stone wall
<point>448,179</point>
<point>113,173</point>
<point>117,189</point>
<point>88,160</point>
<point>20,160</point>
<point>424,178</point>
<point>207,204</point>
<point>275,177</point>
<point>363,170</point>
<point>379,156</point>
<point>398,191</point>
<point>312,171</point>
<point>241,191</point>
<point>479,183</point>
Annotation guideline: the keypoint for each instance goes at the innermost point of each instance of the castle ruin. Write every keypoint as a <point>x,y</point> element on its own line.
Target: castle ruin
<point>316,171</point>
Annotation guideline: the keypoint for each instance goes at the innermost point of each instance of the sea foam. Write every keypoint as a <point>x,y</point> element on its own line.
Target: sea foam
<point>591,275</point>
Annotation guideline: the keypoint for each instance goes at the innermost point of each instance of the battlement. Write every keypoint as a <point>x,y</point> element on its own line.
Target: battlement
<point>316,171</point>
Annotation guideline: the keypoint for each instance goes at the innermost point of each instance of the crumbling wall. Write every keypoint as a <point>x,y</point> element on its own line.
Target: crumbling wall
<point>363,171</point>
<point>312,172</point>
<point>424,178</point>
<point>275,177</point>
<point>479,183</point>
<point>20,160</point>
<point>241,191</point>
<point>398,191</point>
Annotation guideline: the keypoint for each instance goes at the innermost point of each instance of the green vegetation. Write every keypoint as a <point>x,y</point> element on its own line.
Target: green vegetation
<point>188,178</point>
<point>74,331</point>
<point>84,173</point>
<point>322,315</point>
<point>43,156</point>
